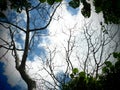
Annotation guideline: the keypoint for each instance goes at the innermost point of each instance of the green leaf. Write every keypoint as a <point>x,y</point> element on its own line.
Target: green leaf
<point>112,68</point>
<point>98,9</point>
<point>42,1</point>
<point>108,64</point>
<point>117,64</point>
<point>105,70</point>
<point>119,55</point>
<point>82,74</point>
<point>28,5</point>
<point>115,54</point>
<point>75,71</point>
<point>86,11</point>
<point>58,0</point>
<point>74,4</point>
<point>71,75</point>
<point>50,2</point>
<point>82,1</point>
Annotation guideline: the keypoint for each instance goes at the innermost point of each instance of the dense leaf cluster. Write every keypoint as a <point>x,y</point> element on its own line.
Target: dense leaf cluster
<point>110,9</point>
<point>86,6</point>
<point>81,81</point>
<point>108,80</point>
<point>17,5</point>
<point>50,2</point>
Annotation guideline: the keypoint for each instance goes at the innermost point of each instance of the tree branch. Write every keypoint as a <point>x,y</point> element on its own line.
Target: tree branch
<point>42,28</point>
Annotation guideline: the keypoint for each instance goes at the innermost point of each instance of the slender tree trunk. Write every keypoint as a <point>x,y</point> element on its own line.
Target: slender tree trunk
<point>30,83</point>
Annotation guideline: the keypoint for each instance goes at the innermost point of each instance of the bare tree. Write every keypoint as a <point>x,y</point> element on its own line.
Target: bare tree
<point>14,30</point>
<point>100,45</point>
<point>87,50</point>
<point>95,45</point>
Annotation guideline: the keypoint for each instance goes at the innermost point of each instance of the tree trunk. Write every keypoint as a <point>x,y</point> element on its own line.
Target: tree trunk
<point>30,83</point>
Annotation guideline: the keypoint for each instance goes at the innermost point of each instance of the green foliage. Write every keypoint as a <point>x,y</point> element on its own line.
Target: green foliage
<point>75,71</point>
<point>81,81</point>
<point>58,0</point>
<point>82,74</point>
<point>108,64</point>
<point>98,4</point>
<point>105,70</point>
<point>110,9</point>
<point>50,2</point>
<point>86,6</point>
<point>17,5</point>
<point>86,9</point>
<point>42,1</point>
<point>74,3</point>
<point>116,55</point>
<point>109,79</point>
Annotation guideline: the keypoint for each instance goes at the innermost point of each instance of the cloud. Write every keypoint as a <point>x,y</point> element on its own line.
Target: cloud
<point>59,31</point>
<point>13,77</point>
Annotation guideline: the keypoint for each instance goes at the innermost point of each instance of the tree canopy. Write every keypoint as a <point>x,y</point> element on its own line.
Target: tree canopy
<point>32,27</point>
<point>17,5</point>
<point>110,8</point>
<point>108,80</point>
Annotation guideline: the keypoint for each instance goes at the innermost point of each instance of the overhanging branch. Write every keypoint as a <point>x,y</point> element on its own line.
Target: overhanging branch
<point>44,27</point>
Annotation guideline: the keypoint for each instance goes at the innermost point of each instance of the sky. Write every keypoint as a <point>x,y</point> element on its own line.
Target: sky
<point>57,34</point>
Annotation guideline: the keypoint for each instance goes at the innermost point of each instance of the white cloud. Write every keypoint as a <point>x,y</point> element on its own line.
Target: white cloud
<point>59,34</point>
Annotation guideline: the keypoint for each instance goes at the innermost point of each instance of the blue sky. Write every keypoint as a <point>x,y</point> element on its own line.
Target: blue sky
<point>4,85</point>
<point>35,48</point>
<point>70,16</point>
<point>68,21</point>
